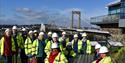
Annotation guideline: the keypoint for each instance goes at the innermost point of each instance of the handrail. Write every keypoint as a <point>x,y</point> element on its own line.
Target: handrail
<point>105,18</point>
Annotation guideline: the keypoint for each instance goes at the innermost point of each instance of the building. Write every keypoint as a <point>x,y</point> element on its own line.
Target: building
<point>114,21</point>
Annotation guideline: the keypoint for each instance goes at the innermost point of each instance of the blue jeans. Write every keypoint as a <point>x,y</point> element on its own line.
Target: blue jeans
<point>7,59</point>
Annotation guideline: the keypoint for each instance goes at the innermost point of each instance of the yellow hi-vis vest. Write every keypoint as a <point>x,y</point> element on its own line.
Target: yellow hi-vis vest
<point>28,46</point>
<point>2,45</point>
<point>20,41</point>
<point>79,45</point>
<point>35,47</point>
<point>48,47</point>
<point>105,60</point>
<point>60,58</point>
<point>88,50</point>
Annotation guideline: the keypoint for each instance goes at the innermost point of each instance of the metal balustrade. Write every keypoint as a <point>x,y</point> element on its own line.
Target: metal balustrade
<point>105,18</point>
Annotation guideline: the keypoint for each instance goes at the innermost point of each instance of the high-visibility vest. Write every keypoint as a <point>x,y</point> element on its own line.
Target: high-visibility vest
<point>35,47</point>
<point>47,40</point>
<point>67,53</point>
<point>2,45</point>
<point>79,45</point>
<point>20,41</point>
<point>60,58</point>
<point>48,47</point>
<point>94,61</point>
<point>28,46</point>
<point>88,50</point>
<point>106,60</point>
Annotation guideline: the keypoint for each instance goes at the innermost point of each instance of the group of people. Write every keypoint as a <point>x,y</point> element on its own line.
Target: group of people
<point>101,54</point>
<point>33,46</point>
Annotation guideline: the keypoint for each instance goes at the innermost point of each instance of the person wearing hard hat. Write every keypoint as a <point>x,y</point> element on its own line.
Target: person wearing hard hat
<point>28,45</point>
<point>7,46</point>
<point>103,51</point>
<point>38,48</point>
<point>35,34</point>
<point>63,40</point>
<point>48,45</point>
<point>24,33</point>
<point>49,37</point>
<point>97,55</point>
<point>18,39</point>
<point>76,44</point>
<point>69,52</point>
<point>86,47</point>
<point>22,53</point>
<point>55,55</point>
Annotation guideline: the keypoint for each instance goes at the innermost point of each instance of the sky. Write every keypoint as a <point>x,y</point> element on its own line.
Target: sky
<point>88,8</point>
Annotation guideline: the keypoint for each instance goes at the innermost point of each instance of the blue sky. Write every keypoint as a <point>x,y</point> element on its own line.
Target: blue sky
<point>89,7</point>
<point>50,11</point>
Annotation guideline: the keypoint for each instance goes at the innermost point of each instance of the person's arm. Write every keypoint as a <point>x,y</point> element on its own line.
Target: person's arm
<point>47,48</point>
<point>26,46</point>
<point>1,45</point>
<point>46,60</point>
<point>13,45</point>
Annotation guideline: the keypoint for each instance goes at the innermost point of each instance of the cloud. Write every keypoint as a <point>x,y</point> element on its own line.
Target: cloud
<point>51,16</point>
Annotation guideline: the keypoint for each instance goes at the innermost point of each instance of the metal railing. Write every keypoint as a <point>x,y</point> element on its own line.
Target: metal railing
<point>105,18</point>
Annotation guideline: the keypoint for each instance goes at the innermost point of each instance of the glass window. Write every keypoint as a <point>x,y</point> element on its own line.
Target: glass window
<point>113,11</point>
<point>124,3</point>
<point>118,10</point>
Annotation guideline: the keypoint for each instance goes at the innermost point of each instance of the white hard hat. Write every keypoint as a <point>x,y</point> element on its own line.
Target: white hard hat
<point>75,35</point>
<point>30,31</point>
<point>7,30</point>
<point>84,35</point>
<point>49,33</point>
<point>103,49</point>
<point>14,27</point>
<point>54,45</point>
<point>97,46</point>
<point>63,33</point>
<point>35,31</point>
<point>24,29</point>
<point>41,33</point>
<point>54,35</point>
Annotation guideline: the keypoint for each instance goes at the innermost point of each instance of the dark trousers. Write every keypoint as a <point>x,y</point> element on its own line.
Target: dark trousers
<point>7,59</point>
<point>23,57</point>
<point>15,57</point>
<point>40,60</point>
